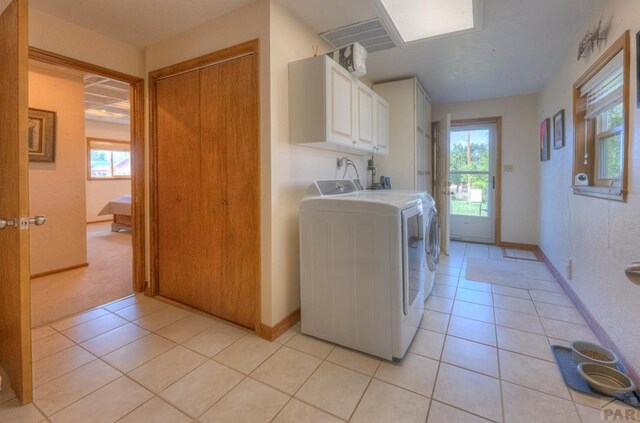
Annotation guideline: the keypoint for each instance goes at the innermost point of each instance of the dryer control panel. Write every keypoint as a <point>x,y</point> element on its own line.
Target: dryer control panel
<point>336,187</point>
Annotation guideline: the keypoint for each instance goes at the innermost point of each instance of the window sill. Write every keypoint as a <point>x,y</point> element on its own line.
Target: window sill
<point>615,194</point>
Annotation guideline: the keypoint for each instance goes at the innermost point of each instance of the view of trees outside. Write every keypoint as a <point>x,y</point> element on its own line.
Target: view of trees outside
<point>610,124</point>
<point>107,163</point>
<point>469,152</point>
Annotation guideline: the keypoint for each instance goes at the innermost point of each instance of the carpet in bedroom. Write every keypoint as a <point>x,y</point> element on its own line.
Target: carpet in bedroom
<point>107,278</point>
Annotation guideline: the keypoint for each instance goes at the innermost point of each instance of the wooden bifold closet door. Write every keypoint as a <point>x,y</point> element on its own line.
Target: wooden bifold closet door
<point>208,189</point>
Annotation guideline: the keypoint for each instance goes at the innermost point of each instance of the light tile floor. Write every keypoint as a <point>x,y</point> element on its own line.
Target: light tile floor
<point>481,354</point>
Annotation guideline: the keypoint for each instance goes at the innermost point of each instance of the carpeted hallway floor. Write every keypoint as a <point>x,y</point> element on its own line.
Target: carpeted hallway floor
<point>107,278</point>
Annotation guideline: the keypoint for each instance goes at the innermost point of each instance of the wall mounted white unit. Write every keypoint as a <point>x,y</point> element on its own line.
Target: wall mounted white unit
<point>409,163</point>
<point>366,259</point>
<point>332,110</point>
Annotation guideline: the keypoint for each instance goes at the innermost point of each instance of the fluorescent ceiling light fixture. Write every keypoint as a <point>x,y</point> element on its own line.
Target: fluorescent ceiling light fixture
<point>416,20</point>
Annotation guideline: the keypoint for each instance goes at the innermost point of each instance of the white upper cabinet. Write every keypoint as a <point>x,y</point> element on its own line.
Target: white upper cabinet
<point>421,110</point>
<point>366,118</point>
<point>382,125</point>
<point>340,105</point>
<point>331,109</point>
<point>408,163</point>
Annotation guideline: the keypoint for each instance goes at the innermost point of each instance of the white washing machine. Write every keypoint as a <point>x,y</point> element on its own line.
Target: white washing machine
<point>366,258</point>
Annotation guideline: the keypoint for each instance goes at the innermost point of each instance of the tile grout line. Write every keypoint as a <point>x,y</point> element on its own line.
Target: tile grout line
<point>121,372</point>
<point>500,384</point>
<point>245,376</point>
<point>500,376</point>
<point>435,380</point>
<point>292,396</point>
<point>364,392</point>
<point>194,369</point>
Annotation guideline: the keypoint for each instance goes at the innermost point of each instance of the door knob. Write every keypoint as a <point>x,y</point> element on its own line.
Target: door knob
<point>38,220</point>
<point>6,223</point>
<point>633,272</point>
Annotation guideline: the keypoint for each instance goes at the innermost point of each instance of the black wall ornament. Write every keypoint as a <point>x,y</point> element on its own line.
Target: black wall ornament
<point>591,39</point>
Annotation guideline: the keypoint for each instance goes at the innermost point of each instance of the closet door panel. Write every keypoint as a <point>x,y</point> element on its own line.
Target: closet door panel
<point>178,189</point>
<point>230,188</point>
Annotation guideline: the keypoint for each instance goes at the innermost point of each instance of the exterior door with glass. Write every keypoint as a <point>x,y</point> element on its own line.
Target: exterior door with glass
<point>472,163</point>
<point>442,135</point>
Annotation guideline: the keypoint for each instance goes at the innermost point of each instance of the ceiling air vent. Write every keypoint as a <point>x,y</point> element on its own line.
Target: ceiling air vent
<point>371,34</point>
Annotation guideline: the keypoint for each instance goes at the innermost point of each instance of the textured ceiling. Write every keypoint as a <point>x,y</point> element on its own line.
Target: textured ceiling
<point>137,22</point>
<point>520,46</point>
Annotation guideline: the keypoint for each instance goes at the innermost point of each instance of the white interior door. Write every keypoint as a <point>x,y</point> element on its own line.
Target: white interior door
<point>441,183</point>
<point>472,162</point>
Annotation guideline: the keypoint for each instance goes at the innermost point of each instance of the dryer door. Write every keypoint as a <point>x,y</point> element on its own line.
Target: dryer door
<point>413,255</point>
<point>433,245</point>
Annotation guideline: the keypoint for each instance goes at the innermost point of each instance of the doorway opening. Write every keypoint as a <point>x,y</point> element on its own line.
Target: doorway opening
<point>91,192</point>
<point>473,180</point>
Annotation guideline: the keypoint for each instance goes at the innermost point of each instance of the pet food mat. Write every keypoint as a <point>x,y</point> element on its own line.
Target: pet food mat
<point>569,371</point>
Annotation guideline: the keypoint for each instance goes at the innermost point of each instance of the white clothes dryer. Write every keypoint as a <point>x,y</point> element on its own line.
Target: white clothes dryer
<point>365,260</point>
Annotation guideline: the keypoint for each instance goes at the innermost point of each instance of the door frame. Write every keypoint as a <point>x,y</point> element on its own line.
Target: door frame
<point>229,53</point>
<point>137,148</point>
<point>497,120</point>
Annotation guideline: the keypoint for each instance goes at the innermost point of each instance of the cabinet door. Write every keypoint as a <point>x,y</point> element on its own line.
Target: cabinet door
<point>427,126</point>
<point>421,113</point>
<point>366,118</point>
<point>340,105</point>
<point>421,152</point>
<point>421,182</point>
<point>382,126</point>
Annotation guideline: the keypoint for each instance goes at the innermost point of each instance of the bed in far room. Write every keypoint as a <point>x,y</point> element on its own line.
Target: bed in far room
<point>120,208</point>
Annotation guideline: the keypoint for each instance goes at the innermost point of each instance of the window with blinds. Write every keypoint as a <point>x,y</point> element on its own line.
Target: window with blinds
<point>600,122</point>
<point>605,89</point>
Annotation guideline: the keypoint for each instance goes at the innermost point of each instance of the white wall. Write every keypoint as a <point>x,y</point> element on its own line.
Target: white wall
<point>598,277</point>
<point>55,35</point>
<point>520,150</point>
<point>293,167</point>
<point>57,190</point>
<point>99,193</point>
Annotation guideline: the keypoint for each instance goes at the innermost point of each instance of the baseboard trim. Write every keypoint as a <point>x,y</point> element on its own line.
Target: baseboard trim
<point>517,246</point>
<point>64,269</point>
<point>597,329</point>
<point>272,333</point>
<point>99,221</point>
<point>526,247</point>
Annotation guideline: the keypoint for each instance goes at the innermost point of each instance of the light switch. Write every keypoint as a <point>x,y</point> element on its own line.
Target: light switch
<point>508,168</point>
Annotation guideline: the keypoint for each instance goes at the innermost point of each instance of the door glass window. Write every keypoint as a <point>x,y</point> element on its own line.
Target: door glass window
<point>470,172</point>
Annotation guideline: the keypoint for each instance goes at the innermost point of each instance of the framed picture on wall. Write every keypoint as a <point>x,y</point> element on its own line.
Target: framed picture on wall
<point>42,136</point>
<point>545,154</point>
<point>558,130</point>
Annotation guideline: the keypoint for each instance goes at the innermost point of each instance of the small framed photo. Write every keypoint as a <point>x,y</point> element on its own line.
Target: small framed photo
<point>558,130</point>
<point>545,154</point>
<point>42,136</point>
